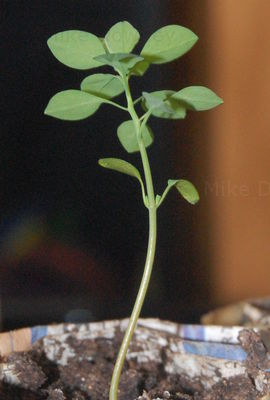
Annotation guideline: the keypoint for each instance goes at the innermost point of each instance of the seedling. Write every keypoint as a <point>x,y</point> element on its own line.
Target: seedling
<point>82,50</point>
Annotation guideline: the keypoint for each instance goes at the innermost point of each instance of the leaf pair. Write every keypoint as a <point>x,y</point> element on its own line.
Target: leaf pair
<point>164,45</point>
<point>97,88</point>
<point>184,187</point>
<point>79,49</point>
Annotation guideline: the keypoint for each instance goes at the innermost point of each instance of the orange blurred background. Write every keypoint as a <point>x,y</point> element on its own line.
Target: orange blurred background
<point>233,163</point>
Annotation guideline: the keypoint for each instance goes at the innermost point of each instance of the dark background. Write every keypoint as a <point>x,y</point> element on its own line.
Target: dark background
<point>73,236</point>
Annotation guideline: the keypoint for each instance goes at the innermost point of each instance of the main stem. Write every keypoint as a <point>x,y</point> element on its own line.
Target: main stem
<point>152,210</point>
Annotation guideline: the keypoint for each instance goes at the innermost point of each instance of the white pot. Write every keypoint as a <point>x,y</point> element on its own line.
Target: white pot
<point>206,354</point>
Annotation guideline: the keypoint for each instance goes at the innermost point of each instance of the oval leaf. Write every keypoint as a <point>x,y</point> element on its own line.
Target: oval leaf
<point>121,38</point>
<point>169,108</point>
<point>103,85</point>
<point>198,98</point>
<point>121,166</point>
<point>127,136</point>
<point>72,105</point>
<point>186,189</point>
<point>168,43</point>
<point>76,49</point>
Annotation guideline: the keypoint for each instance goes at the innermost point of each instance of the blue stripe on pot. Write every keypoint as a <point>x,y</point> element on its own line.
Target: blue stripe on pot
<point>193,332</point>
<point>216,350</point>
<point>195,340</point>
<point>38,332</point>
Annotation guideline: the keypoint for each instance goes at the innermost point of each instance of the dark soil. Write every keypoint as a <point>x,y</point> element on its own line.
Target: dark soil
<point>87,376</point>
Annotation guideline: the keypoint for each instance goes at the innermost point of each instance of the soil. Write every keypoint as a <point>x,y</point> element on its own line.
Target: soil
<point>86,376</point>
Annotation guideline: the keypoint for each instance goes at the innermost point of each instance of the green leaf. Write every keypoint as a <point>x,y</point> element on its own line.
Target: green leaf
<point>169,108</point>
<point>127,136</point>
<point>140,68</point>
<point>72,105</point>
<point>103,85</point>
<point>76,49</point>
<point>125,168</point>
<point>111,59</point>
<point>120,61</point>
<point>122,38</point>
<point>186,189</point>
<point>153,102</point>
<point>198,98</point>
<point>168,43</point>
<point>121,166</point>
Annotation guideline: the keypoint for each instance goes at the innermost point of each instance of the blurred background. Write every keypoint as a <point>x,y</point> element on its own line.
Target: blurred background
<point>73,236</point>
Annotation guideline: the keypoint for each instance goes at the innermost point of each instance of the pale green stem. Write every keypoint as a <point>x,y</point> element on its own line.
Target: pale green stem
<point>137,100</point>
<point>145,200</point>
<point>112,103</point>
<point>152,209</point>
<point>166,191</point>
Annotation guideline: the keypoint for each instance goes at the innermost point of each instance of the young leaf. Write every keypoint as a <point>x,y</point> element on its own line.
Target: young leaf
<point>125,168</point>
<point>76,49</point>
<point>127,136</point>
<point>168,43</point>
<point>153,102</point>
<point>72,105</point>
<point>186,189</point>
<point>140,68</point>
<point>120,61</point>
<point>121,166</point>
<point>158,199</point>
<point>103,85</point>
<point>169,108</point>
<point>121,38</point>
<point>198,98</point>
